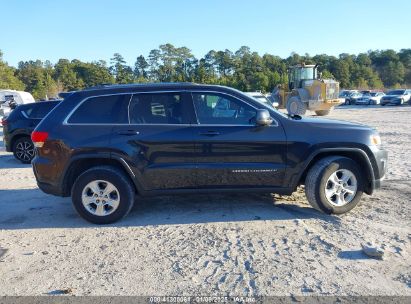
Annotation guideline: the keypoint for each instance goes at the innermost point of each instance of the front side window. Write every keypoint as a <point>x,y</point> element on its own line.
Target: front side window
<point>111,109</point>
<point>157,108</point>
<point>213,108</point>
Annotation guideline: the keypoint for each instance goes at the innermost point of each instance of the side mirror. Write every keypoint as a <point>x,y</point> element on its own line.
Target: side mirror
<point>263,118</point>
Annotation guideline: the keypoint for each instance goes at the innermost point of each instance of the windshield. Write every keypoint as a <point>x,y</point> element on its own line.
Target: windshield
<point>307,73</point>
<point>396,92</point>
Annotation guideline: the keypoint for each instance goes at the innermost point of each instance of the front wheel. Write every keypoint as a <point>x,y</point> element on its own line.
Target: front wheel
<point>103,195</point>
<point>322,112</point>
<point>334,185</point>
<point>295,106</point>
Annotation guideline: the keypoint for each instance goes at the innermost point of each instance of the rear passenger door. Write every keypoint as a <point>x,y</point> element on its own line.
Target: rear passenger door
<point>158,144</point>
<point>92,122</point>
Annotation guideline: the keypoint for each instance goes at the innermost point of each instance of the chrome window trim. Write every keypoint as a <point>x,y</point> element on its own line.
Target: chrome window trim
<point>25,114</point>
<point>65,121</point>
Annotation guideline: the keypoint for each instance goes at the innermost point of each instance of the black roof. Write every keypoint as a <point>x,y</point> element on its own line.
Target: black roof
<point>136,87</point>
<point>143,85</point>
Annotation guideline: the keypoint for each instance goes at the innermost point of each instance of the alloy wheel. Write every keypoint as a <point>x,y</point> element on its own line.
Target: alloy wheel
<point>25,151</point>
<point>341,187</point>
<point>100,198</point>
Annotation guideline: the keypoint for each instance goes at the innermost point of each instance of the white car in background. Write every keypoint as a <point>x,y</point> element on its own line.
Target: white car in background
<point>262,98</point>
<point>11,98</point>
<point>372,98</point>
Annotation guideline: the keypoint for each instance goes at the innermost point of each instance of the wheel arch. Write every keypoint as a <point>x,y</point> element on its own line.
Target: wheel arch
<point>358,155</point>
<point>82,163</point>
<point>17,137</point>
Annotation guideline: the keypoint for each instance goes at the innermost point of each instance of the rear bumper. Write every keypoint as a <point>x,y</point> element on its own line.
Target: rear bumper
<point>41,166</point>
<point>6,140</point>
<point>315,105</point>
<point>50,189</point>
<point>362,102</point>
<point>394,102</point>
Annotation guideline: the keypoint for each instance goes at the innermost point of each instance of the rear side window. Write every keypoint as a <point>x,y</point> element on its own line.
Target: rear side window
<point>102,110</point>
<point>39,110</point>
<point>157,108</point>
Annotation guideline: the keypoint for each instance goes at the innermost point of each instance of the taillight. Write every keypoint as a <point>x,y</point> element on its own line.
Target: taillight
<point>38,138</point>
<point>4,122</point>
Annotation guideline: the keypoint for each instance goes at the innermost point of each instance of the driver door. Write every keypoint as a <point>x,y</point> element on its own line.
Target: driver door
<point>231,151</point>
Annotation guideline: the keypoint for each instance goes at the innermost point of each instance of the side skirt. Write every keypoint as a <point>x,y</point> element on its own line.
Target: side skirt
<point>277,190</point>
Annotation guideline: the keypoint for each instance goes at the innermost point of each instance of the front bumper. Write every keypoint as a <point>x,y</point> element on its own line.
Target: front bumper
<point>380,167</point>
<point>50,189</point>
<point>392,101</point>
<point>362,102</point>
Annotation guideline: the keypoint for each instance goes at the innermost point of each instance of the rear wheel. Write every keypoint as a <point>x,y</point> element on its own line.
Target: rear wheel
<point>103,195</point>
<point>23,150</point>
<point>322,112</point>
<point>334,185</point>
<point>295,106</point>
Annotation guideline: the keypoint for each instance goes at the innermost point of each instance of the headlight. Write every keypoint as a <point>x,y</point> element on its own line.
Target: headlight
<point>375,140</point>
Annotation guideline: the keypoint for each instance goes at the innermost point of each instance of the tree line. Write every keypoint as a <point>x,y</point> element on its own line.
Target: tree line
<point>243,69</point>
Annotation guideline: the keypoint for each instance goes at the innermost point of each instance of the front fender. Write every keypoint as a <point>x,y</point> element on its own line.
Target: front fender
<point>297,173</point>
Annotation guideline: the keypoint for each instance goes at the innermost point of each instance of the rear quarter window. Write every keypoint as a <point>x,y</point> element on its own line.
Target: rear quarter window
<point>111,109</point>
<point>39,110</point>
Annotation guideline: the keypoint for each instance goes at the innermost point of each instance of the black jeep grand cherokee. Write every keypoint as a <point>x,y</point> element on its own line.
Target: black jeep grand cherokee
<point>104,145</point>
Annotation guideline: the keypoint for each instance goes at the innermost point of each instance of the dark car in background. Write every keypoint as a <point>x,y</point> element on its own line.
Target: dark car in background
<point>396,97</point>
<point>370,98</point>
<point>103,146</point>
<point>17,128</point>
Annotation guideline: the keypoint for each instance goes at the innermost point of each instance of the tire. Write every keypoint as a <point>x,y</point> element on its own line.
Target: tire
<point>320,177</point>
<point>295,106</point>
<point>347,102</point>
<point>322,112</point>
<point>99,178</point>
<point>23,150</point>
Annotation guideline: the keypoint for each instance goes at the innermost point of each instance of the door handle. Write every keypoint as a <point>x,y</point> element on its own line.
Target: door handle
<point>128,132</point>
<point>210,133</point>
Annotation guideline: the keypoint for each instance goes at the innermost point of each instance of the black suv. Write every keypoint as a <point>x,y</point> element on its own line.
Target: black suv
<point>17,128</point>
<point>104,145</point>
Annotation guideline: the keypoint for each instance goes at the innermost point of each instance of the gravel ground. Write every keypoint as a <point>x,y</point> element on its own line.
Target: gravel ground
<point>213,244</point>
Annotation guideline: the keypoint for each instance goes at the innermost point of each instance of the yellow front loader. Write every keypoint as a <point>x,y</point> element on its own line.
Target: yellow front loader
<point>307,91</point>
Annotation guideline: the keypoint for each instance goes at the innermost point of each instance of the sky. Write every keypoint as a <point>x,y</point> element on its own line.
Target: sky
<point>96,29</point>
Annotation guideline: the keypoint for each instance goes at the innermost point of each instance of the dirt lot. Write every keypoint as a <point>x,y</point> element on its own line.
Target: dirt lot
<point>213,244</point>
